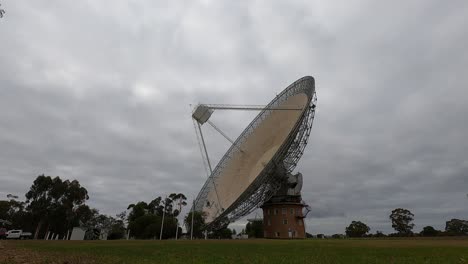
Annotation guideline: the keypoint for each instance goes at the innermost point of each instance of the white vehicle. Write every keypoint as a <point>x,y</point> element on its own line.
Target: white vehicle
<point>18,234</point>
<point>26,235</point>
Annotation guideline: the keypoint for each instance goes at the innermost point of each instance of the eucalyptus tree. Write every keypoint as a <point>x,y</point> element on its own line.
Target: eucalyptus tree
<point>357,229</point>
<point>53,201</point>
<point>402,221</point>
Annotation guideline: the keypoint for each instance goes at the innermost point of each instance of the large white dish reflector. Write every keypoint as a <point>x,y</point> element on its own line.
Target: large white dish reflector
<point>273,142</point>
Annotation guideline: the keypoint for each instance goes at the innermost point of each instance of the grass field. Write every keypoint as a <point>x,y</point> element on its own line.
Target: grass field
<point>440,250</point>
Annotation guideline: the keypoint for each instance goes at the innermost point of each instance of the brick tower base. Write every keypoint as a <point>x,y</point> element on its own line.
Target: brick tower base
<point>283,217</point>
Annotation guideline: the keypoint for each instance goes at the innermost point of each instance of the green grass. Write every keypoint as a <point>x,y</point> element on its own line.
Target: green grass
<point>443,250</point>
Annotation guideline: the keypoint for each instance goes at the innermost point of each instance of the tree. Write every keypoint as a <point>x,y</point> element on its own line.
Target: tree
<point>155,207</point>
<point>254,228</point>
<point>4,210</point>
<point>14,212</point>
<point>379,234</point>
<point>122,216</point>
<point>144,219</point>
<point>40,202</point>
<point>116,230</point>
<point>456,227</point>
<point>145,226</point>
<point>180,200</point>
<point>357,229</point>
<point>2,12</point>
<point>53,201</point>
<point>198,223</point>
<point>106,224</point>
<point>401,221</point>
<point>8,209</point>
<point>223,233</point>
<point>149,227</point>
<point>83,216</point>
<point>137,210</point>
<point>429,231</point>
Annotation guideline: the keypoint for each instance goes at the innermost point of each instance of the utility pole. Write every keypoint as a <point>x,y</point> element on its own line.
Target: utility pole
<point>191,229</point>
<point>162,222</point>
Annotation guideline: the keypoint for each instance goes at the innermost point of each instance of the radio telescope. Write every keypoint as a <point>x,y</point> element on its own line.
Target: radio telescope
<point>256,169</point>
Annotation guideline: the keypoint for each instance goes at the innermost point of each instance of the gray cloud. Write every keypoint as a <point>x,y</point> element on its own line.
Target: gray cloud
<point>100,92</point>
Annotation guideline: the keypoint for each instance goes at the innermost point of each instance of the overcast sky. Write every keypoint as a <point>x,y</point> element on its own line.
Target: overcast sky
<point>100,91</point>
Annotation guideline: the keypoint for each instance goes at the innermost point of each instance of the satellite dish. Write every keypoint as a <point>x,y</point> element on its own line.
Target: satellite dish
<point>258,162</point>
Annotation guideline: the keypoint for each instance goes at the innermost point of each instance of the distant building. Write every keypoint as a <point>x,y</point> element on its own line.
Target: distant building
<point>83,233</point>
<point>240,236</point>
<point>78,233</point>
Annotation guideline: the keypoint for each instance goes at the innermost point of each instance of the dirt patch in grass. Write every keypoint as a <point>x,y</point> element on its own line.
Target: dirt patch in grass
<point>11,253</point>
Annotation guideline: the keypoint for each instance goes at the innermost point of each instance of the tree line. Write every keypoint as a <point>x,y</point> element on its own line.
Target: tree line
<point>145,219</point>
<point>53,205</point>
<point>402,222</point>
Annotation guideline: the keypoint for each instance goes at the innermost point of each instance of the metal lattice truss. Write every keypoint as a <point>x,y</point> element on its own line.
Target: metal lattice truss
<point>282,163</point>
